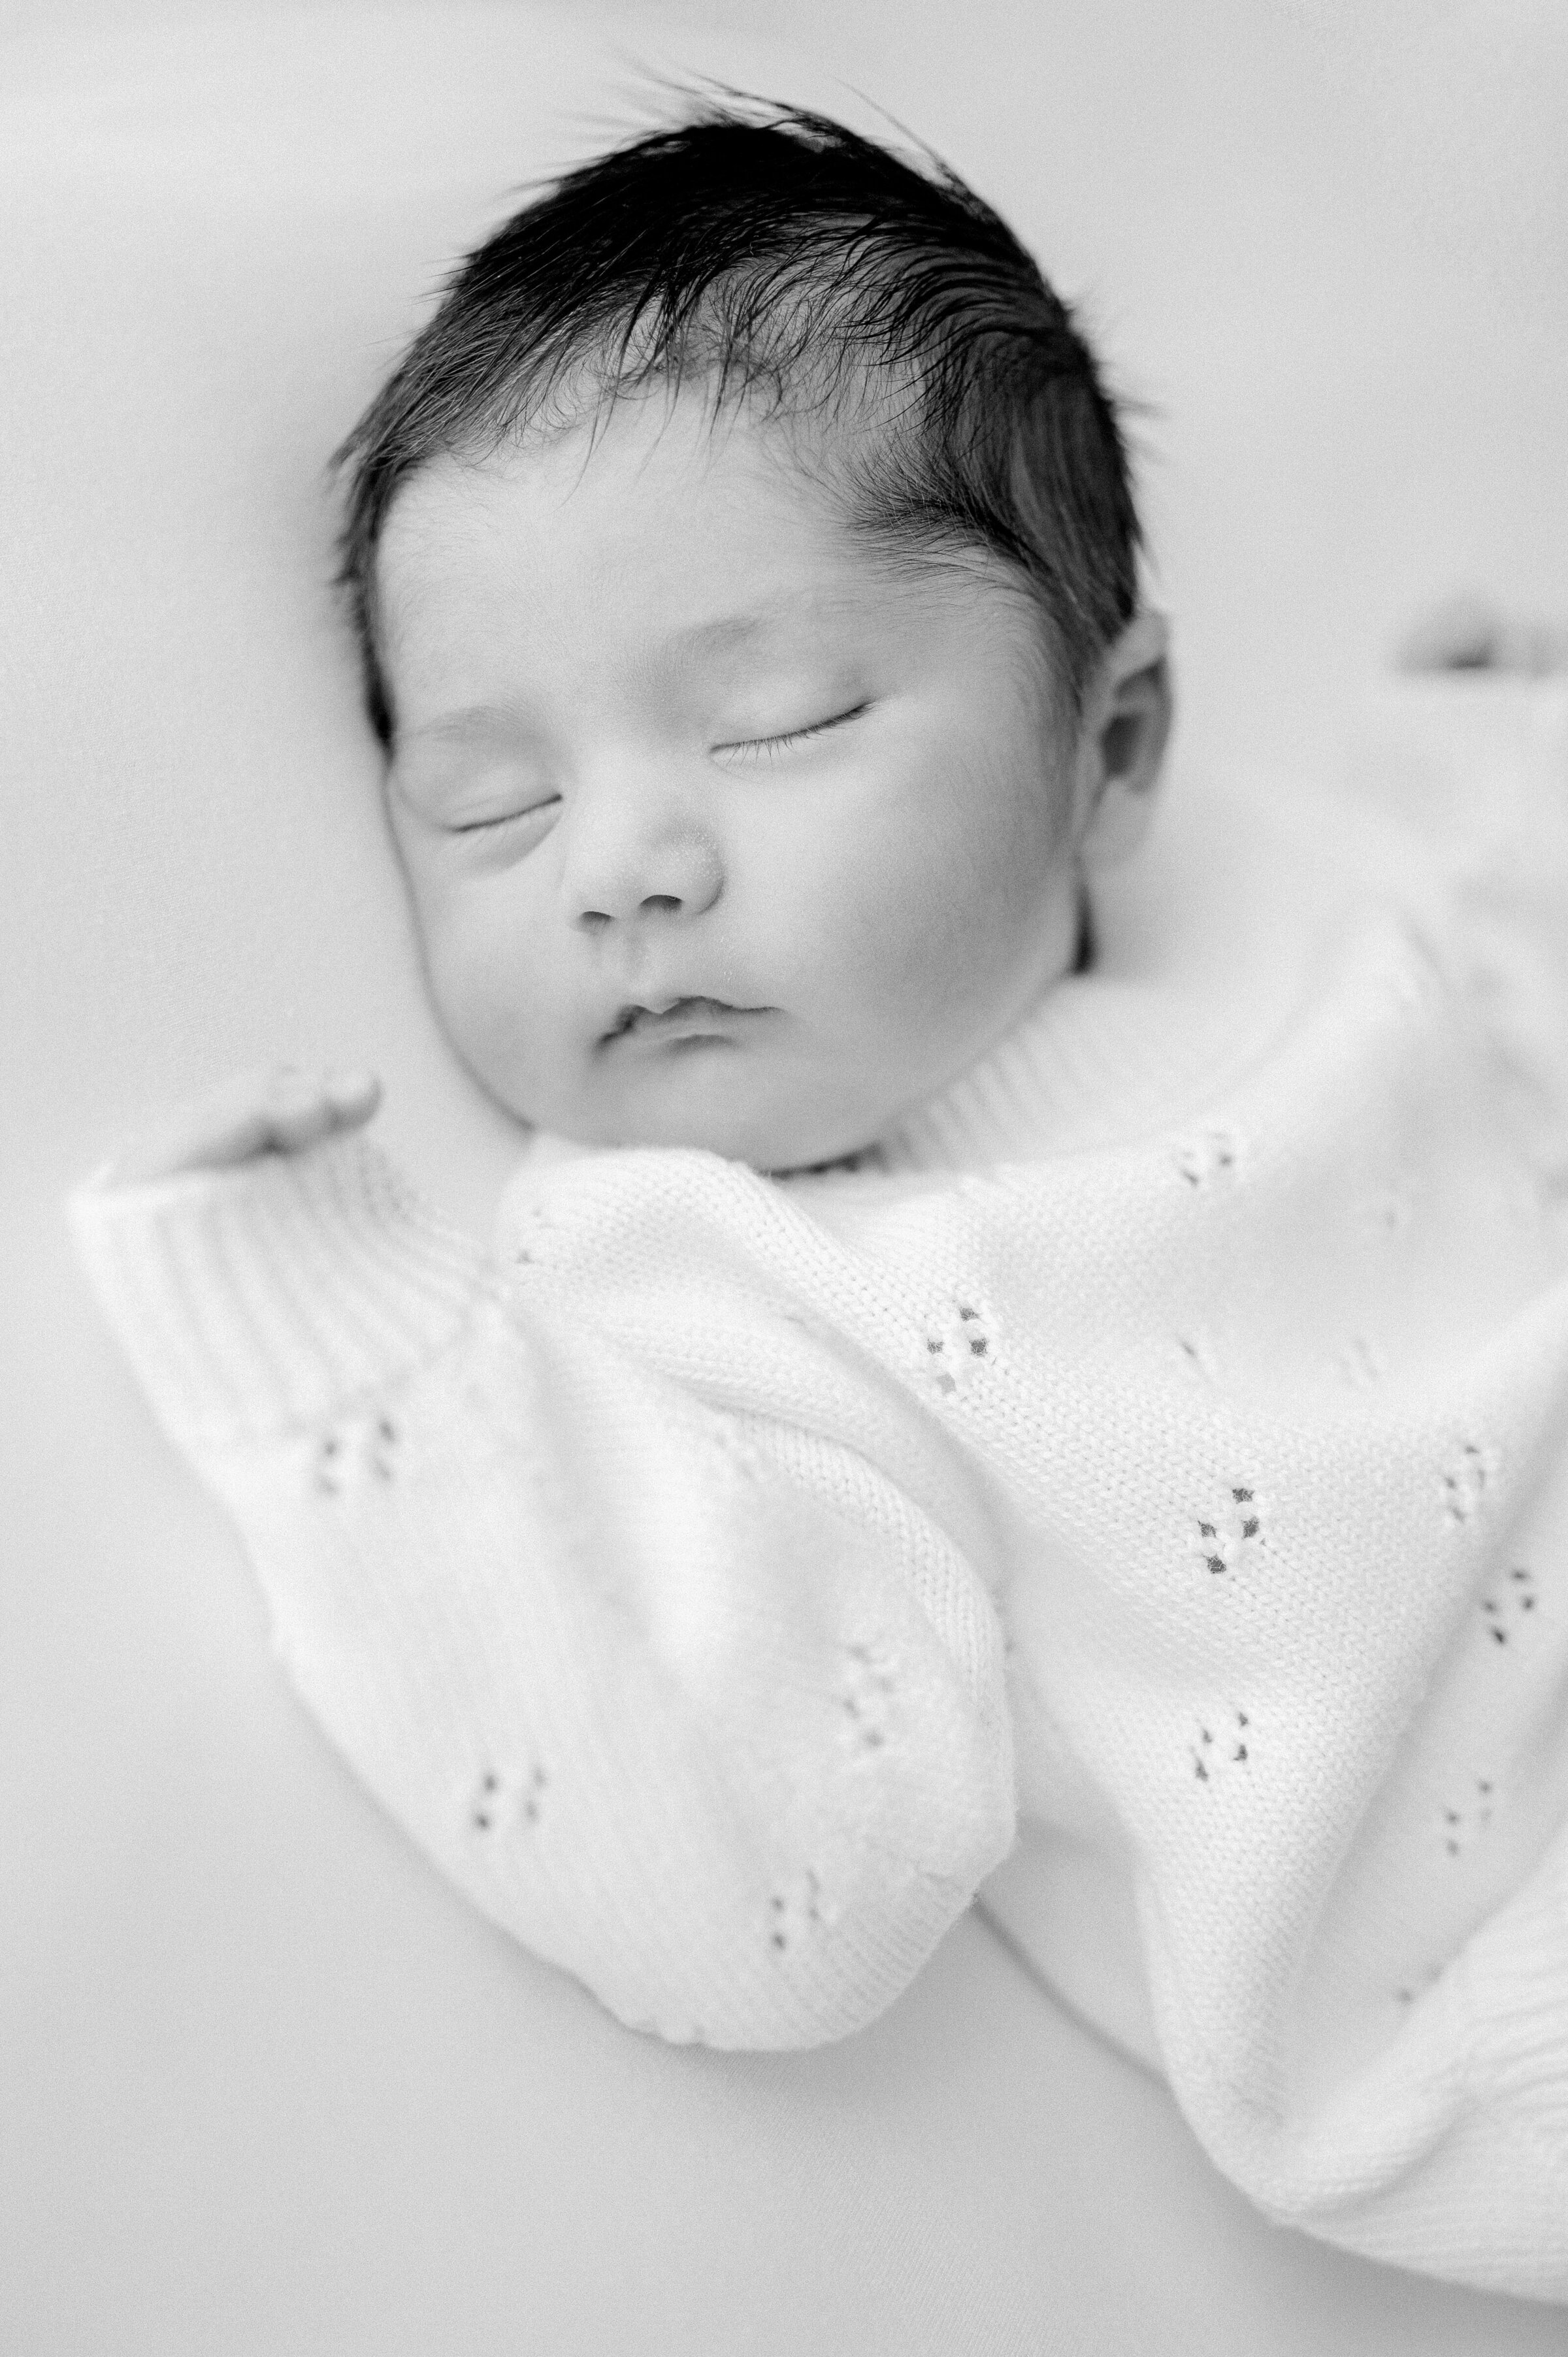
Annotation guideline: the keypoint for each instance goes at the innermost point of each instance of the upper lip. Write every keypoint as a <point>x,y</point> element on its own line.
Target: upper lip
<point>634,1016</point>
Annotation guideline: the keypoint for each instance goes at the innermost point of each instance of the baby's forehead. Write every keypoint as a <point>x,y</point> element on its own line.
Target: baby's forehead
<point>667,448</point>
<point>718,539</point>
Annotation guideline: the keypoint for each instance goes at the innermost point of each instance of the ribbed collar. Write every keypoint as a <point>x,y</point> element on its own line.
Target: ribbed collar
<point>1101,1056</point>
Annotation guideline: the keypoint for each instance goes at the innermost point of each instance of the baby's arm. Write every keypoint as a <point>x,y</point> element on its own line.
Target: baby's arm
<point>704,1709</point>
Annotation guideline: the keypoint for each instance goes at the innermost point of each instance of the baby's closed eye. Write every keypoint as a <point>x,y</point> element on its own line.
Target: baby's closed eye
<point>515,817</point>
<point>770,747</point>
<point>468,776</point>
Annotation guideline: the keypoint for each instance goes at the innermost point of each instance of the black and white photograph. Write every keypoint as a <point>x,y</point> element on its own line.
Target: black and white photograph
<point>784,1179</point>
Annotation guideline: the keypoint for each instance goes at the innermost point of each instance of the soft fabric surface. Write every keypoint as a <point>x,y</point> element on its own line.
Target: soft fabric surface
<point>265,2082</point>
<point>1149,1450</point>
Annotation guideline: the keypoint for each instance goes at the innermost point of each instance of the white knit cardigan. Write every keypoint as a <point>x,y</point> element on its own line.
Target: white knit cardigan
<point>1140,1487</point>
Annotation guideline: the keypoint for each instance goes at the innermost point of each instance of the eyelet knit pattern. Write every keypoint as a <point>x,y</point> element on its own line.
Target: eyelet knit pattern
<point>678,1568</point>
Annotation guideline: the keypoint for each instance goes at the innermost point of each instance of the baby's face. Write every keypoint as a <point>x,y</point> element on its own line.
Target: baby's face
<point>720,830</point>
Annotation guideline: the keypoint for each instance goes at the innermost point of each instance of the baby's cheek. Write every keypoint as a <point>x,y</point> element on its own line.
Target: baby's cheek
<point>912,948</point>
<point>940,920</point>
<point>489,997</point>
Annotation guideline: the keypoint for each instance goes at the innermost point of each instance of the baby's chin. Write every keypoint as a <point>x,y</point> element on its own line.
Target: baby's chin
<point>714,1111</point>
<point>771,1143</point>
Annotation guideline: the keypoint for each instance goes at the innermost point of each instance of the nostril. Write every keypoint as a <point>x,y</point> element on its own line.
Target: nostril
<point>593,920</point>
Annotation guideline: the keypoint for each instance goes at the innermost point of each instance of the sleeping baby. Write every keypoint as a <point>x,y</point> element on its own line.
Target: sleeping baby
<point>1025,1355</point>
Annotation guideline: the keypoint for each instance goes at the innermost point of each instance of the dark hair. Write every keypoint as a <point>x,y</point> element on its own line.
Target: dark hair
<point>769,254</point>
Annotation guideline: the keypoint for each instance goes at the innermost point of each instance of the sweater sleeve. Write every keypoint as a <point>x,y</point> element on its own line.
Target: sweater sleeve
<point>703,1708</point>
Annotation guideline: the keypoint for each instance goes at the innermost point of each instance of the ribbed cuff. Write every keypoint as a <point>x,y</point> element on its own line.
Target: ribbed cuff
<point>251,1300</point>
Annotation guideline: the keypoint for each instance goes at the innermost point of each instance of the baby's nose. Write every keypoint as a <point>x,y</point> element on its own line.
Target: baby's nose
<point>616,876</point>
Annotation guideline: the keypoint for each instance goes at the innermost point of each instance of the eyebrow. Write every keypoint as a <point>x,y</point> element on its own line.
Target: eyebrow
<point>468,722</point>
<point>725,632</point>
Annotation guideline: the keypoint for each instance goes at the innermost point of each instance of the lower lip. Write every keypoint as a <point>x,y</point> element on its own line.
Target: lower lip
<point>689,1023</point>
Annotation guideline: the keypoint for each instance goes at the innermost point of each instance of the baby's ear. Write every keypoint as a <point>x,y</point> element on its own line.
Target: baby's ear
<point>1126,724</point>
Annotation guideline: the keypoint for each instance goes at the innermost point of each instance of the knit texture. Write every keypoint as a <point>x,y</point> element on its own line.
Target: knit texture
<point>1154,1455</point>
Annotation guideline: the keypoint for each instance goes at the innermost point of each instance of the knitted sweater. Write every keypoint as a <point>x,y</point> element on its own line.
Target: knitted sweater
<point>1136,1491</point>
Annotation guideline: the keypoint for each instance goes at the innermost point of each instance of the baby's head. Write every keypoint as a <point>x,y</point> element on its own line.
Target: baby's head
<point>746,564</point>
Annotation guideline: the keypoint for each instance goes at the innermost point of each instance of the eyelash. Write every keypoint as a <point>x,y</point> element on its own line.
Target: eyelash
<point>507,818</point>
<point>791,735</point>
